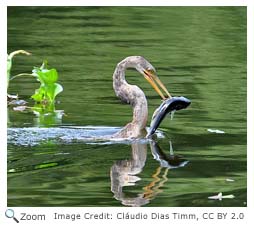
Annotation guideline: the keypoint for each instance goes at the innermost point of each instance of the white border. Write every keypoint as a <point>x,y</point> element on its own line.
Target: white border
<point>250,104</point>
<point>115,223</point>
<point>3,105</point>
<point>126,2</point>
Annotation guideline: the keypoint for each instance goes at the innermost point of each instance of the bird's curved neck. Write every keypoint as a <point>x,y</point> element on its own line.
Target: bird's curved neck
<point>130,94</point>
<point>119,76</point>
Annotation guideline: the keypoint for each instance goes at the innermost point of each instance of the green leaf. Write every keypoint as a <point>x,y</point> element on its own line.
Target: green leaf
<point>44,65</point>
<point>48,76</point>
<point>47,93</point>
<point>52,90</point>
<point>58,89</point>
<point>49,89</point>
<point>39,94</point>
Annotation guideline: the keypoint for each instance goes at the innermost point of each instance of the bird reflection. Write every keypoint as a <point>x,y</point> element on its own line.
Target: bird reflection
<point>124,173</point>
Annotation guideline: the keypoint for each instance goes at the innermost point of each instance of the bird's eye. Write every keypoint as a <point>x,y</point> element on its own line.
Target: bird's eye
<point>151,71</point>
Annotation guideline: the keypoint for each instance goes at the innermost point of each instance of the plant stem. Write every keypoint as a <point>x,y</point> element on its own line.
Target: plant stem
<point>20,75</point>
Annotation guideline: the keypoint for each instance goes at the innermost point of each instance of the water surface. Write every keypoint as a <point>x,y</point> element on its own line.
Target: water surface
<point>199,53</point>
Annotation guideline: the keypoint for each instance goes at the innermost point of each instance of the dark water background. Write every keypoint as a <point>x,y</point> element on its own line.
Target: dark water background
<point>199,52</point>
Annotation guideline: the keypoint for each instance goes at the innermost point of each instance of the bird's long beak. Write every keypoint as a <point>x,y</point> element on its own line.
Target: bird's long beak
<point>153,79</point>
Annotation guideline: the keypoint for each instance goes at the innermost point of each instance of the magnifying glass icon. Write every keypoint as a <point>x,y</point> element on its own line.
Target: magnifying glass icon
<point>9,213</point>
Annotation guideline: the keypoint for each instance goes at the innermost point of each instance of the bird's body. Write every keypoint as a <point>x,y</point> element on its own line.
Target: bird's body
<point>133,95</point>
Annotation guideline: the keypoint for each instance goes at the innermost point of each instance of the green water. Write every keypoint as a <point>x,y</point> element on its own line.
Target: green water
<point>198,52</point>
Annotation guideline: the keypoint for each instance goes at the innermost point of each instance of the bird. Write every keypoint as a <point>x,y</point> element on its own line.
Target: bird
<point>133,95</point>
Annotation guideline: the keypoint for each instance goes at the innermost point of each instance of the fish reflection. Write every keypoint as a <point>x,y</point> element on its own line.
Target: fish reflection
<point>170,161</point>
<point>124,173</point>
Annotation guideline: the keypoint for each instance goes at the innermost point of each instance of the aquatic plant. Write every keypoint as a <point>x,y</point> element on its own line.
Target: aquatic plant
<point>49,87</point>
<point>47,115</point>
<point>9,64</point>
<point>44,96</point>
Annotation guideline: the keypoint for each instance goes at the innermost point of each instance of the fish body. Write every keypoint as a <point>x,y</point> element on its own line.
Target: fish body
<point>167,106</point>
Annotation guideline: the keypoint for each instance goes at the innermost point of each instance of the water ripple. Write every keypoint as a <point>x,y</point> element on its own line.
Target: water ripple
<point>32,136</point>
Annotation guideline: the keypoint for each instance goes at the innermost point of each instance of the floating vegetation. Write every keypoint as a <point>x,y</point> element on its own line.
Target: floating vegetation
<point>44,96</point>
<point>47,115</point>
<point>49,87</point>
<point>17,102</point>
<point>20,108</point>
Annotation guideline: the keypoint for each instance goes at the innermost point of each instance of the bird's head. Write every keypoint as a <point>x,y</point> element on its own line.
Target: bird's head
<point>149,72</point>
